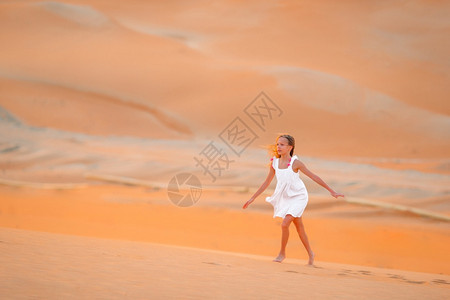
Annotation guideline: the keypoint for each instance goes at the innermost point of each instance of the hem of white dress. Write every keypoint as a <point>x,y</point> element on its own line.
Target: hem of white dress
<point>276,216</point>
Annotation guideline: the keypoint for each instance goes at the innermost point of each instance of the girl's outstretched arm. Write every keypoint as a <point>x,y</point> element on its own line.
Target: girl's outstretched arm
<point>262,188</point>
<point>298,165</point>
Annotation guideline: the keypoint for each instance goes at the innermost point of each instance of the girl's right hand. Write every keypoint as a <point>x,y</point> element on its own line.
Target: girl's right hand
<point>247,203</point>
<point>337,195</point>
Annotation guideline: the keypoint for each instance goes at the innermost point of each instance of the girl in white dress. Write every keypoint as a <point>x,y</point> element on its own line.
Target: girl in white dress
<point>290,197</point>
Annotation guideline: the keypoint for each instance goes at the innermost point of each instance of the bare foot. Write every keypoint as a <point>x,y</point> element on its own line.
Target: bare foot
<point>311,259</point>
<point>279,258</point>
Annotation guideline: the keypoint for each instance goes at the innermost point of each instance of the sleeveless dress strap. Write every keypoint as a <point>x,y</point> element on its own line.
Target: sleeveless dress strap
<point>274,160</point>
<point>293,158</point>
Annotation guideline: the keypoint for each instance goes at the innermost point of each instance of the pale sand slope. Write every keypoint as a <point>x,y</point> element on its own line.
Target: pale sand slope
<point>31,154</point>
<point>339,232</point>
<point>53,266</point>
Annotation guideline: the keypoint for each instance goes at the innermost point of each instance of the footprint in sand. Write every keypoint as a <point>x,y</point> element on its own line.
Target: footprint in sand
<point>394,276</point>
<point>346,272</point>
<point>292,271</point>
<point>211,263</point>
<point>440,281</point>
<point>415,282</point>
<point>214,263</point>
<point>314,266</point>
<point>365,272</point>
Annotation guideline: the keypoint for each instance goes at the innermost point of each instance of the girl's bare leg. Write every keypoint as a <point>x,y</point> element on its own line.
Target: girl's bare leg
<point>284,237</point>
<point>298,222</point>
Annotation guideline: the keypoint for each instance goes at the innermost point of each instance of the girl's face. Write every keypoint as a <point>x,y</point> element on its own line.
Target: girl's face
<point>283,146</point>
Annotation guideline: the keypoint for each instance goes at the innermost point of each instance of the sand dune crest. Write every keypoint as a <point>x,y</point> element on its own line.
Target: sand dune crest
<point>342,96</point>
<point>62,107</point>
<point>81,14</point>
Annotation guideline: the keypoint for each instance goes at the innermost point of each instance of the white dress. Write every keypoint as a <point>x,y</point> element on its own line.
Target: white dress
<point>290,196</point>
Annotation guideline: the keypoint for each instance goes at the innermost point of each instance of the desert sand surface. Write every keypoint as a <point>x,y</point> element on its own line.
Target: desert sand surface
<point>340,232</point>
<point>61,266</point>
<point>103,103</point>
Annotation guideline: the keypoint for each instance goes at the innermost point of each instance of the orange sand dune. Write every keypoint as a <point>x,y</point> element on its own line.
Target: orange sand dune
<point>137,89</point>
<point>120,269</point>
<point>53,103</point>
<point>339,232</point>
<point>337,85</point>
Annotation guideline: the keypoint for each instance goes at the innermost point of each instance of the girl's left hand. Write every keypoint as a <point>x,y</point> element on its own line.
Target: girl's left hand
<point>247,203</point>
<point>336,195</point>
